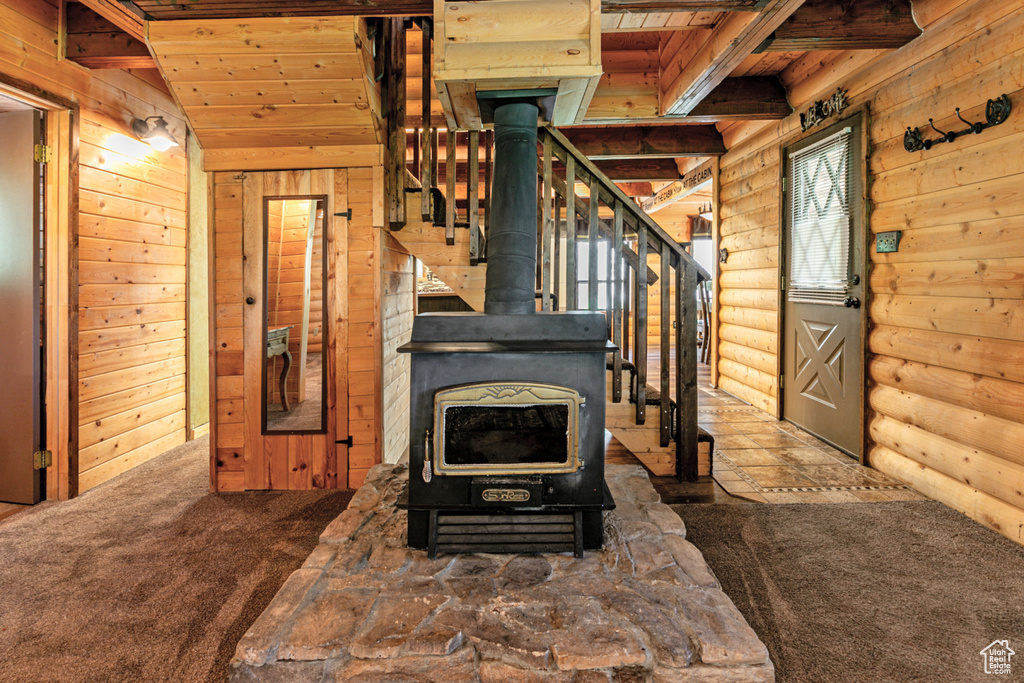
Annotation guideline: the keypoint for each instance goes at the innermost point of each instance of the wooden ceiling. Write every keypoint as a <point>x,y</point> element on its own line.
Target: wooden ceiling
<point>270,87</point>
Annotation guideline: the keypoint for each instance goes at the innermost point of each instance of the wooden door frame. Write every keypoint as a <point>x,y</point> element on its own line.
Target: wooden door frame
<point>60,318</point>
<point>863,113</point>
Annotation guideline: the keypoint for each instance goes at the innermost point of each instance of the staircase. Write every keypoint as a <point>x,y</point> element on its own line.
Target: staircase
<point>597,239</point>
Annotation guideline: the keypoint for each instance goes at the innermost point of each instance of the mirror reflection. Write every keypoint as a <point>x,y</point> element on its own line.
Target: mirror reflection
<point>294,277</point>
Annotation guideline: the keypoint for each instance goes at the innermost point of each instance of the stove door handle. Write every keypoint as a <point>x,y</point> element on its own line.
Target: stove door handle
<point>427,457</point>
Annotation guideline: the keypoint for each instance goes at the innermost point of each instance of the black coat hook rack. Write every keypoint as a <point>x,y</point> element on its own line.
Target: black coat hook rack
<point>996,111</point>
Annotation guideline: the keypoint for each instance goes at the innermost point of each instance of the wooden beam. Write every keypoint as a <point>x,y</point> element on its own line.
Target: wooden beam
<point>118,15</point>
<point>95,42</point>
<point>697,67</point>
<point>749,98</point>
<point>629,170</point>
<point>640,189</point>
<point>234,9</point>
<point>649,142</point>
<point>843,25</point>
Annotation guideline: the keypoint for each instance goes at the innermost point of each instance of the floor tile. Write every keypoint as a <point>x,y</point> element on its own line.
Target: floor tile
<point>810,497</point>
<point>751,457</point>
<point>754,497</point>
<point>728,441</point>
<point>777,440</point>
<point>738,486</point>
<point>872,496</point>
<point>717,428</point>
<point>841,497</point>
<point>906,494</point>
<point>721,475</point>
<point>757,427</point>
<point>782,476</point>
<point>779,497</point>
<point>803,456</point>
<point>835,475</point>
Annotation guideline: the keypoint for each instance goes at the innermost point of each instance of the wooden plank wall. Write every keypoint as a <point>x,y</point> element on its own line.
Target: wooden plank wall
<point>397,308</point>
<point>946,346</point>
<point>365,197</point>
<point>131,251</point>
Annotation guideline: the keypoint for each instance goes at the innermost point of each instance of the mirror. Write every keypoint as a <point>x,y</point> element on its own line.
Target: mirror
<point>294,282</point>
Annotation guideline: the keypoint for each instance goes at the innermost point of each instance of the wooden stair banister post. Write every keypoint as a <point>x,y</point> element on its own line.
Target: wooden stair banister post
<point>592,238</point>
<point>547,233</point>
<point>686,373</point>
<point>665,416</point>
<point>427,140</point>
<point>640,327</point>
<point>473,187</point>
<point>397,138</point>
<point>556,276</point>
<point>617,273</point>
<point>571,275</point>
<point>450,163</point>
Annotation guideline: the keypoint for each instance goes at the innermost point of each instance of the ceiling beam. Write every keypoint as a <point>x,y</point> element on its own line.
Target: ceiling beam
<point>634,170</point>
<point>746,98</point>
<point>647,142</point>
<point>636,189</point>
<point>844,25</point>
<point>97,43</point>
<point>691,68</point>
<point>118,15</point>
<point>236,9</point>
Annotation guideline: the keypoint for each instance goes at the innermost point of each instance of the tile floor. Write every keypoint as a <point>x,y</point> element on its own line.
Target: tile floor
<point>761,459</point>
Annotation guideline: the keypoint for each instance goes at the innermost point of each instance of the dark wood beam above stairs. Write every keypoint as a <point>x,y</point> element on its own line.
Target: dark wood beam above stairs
<point>95,42</point>
<point>231,9</point>
<point>846,25</point>
<point>647,142</point>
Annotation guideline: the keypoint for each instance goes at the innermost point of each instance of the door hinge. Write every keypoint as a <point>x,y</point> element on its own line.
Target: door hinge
<point>347,441</point>
<point>42,459</point>
<point>43,154</point>
<point>345,214</point>
<point>783,183</point>
<point>782,381</point>
<point>783,281</point>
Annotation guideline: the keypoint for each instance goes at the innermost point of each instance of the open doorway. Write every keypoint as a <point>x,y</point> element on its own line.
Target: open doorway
<point>22,302</point>
<point>38,453</point>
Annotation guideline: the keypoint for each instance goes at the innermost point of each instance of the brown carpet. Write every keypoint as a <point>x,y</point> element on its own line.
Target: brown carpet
<point>908,591</point>
<point>148,577</point>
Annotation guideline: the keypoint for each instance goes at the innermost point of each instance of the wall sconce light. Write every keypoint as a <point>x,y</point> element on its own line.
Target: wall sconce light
<point>157,135</point>
<point>705,212</point>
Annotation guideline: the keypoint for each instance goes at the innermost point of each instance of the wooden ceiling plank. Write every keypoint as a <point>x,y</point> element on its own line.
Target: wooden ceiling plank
<point>714,60</point>
<point>647,142</point>
<point>840,25</point>
<point>95,42</point>
<point>119,15</point>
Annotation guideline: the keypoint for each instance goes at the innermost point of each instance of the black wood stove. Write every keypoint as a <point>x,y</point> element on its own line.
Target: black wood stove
<point>507,417</point>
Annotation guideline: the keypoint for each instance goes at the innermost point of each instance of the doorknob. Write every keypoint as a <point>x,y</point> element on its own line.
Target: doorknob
<point>851,302</point>
<point>250,300</point>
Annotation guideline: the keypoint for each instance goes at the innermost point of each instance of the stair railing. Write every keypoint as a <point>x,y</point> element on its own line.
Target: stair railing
<point>633,236</point>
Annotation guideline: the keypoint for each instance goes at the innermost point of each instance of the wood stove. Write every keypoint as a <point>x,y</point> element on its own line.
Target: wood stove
<point>507,416</point>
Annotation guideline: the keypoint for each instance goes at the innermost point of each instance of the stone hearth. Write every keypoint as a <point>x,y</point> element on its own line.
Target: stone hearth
<point>365,608</point>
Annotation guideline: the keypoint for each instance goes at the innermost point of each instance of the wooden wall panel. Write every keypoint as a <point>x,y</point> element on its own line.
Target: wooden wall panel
<point>132,222</point>
<point>946,384</point>
<point>397,311</point>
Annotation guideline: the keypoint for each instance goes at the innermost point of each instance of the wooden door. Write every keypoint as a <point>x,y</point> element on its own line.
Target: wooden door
<point>300,460</point>
<point>20,400</point>
<point>823,362</point>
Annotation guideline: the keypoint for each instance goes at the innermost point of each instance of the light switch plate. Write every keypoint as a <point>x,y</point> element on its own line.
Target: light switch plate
<point>888,242</point>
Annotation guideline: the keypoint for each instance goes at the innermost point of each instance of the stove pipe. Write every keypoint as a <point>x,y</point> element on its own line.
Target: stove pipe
<point>512,234</point>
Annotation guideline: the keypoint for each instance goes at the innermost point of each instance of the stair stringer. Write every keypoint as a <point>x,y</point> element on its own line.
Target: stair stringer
<point>450,263</point>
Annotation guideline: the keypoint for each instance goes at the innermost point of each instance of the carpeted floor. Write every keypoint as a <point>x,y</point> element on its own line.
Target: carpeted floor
<point>902,591</point>
<point>148,577</point>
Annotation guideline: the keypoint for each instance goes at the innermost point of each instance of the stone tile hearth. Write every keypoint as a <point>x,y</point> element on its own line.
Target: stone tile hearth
<point>364,608</point>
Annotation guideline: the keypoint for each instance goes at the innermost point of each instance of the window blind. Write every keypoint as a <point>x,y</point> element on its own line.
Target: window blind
<point>820,221</point>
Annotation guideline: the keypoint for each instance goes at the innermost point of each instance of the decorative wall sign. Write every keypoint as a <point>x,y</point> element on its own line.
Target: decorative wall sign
<point>679,189</point>
<point>823,109</point>
<point>996,111</point>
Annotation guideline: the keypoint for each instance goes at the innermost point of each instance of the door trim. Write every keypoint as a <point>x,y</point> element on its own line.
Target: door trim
<point>863,113</point>
<point>60,318</point>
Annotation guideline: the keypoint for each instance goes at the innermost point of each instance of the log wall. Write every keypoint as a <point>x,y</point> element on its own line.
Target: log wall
<point>131,255</point>
<point>945,347</point>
